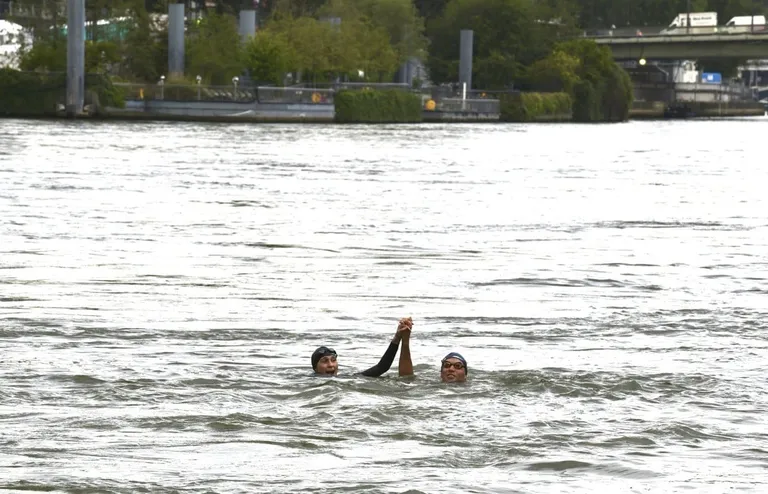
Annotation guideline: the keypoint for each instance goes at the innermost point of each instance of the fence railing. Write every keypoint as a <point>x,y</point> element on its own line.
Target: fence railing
<point>191,93</point>
<point>476,102</point>
<point>295,95</point>
<point>459,105</point>
<point>351,86</point>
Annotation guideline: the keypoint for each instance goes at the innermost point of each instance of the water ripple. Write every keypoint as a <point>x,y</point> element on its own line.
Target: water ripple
<point>162,287</point>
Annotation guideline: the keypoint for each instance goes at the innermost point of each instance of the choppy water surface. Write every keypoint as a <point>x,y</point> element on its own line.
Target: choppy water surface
<point>162,287</point>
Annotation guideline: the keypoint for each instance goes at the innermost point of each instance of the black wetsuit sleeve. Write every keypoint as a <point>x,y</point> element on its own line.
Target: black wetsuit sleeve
<point>384,364</point>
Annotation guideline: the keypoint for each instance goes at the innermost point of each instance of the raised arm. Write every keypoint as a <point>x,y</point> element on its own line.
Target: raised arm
<point>405,366</point>
<point>389,356</point>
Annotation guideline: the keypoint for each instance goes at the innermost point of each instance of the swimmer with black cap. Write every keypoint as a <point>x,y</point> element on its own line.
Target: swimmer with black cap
<point>325,359</point>
<point>453,368</point>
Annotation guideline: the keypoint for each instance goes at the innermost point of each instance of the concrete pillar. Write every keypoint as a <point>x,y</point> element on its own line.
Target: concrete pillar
<point>405,72</point>
<point>247,24</point>
<point>75,57</point>
<point>465,57</point>
<point>176,39</point>
<point>402,73</point>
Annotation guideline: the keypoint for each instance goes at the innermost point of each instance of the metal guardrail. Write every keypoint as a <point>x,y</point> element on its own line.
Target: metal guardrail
<point>351,86</point>
<point>741,92</point>
<point>183,92</point>
<point>655,31</point>
<point>191,93</point>
<point>484,103</point>
<point>307,96</point>
<point>459,105</point>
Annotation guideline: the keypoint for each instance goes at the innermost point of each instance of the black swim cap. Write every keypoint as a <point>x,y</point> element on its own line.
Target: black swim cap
<point>321,352</point>
<point>457,356</point>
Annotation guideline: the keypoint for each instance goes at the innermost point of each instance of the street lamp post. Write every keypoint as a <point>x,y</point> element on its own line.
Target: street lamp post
<point>161,83</point>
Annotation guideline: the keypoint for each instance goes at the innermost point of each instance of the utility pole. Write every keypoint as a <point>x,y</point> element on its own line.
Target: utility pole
<point>75,57</point>
<point>688,21</point>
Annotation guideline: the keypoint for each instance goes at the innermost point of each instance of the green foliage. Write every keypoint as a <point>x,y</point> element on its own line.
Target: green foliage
<point>214,49</point>
<point>47,55</point>
<point>38,94</point>
<point>398,18</point>
<point>296,8</point>
<point>586,107</point>
<point>140,53</point>
<point>557,72</point>
<point>322,51</point>
<point>369,106</point>
<point>601,90</point>
<point>51,56</point>
<point>100,56</point>
<point>508,36</point>
<point>30,94</point>
<point>616,95</point>
<point>268,57</point>
<point>144,49</point>
<point>108,94</point>
<point>528,107</point>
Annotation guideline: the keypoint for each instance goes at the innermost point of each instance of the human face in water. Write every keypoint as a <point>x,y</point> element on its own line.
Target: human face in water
<point>453,371</point>
<point>327,365</point>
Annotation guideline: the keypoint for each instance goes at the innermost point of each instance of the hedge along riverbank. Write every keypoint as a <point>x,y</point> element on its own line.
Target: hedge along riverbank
<point>536,107</point>
<point>374,106</point>
<point>33,94</point>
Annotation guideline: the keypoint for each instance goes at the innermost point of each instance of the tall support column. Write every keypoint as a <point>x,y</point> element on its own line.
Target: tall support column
<point>75,57</point>
<point>465,58</point>
<point>176,39</point>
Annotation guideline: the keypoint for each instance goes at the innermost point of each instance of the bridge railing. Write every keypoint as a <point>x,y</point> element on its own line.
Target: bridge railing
<point>742,92</point>
<point>647,31</point>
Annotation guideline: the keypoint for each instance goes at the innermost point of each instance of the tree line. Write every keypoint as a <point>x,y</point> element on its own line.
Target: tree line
<point>303,40</point>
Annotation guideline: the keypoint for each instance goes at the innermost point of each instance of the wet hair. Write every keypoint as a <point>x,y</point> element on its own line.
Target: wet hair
<point>321,352</point>
<point>458,356</point>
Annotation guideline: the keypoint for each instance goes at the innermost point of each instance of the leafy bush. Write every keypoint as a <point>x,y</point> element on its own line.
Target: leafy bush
<point>373,106</point>
<point>529,107</point>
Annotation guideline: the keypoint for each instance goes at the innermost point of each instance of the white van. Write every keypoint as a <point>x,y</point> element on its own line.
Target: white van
<point>746,20</point>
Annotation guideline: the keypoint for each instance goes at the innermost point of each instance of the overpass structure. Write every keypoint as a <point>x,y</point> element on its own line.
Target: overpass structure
<point>685,44</point>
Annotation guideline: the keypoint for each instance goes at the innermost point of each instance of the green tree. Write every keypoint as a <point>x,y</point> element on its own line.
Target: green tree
<point>145,47</point>
<point>508,35</point>
<point>603,91</point>
<point>310,40</point>
<point>51,56</point>
<point>268,57</point>
<point>322,51</point>
<point>214,49</point>
<point>557,72</point>
<point>296,8</point>
<point>373,53</point>
<point>399,18</point>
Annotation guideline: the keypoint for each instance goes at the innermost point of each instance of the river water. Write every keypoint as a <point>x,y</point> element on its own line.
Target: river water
<point>162,287</point>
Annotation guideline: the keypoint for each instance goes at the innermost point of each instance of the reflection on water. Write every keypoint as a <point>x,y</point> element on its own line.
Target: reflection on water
<point>162,287</point>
